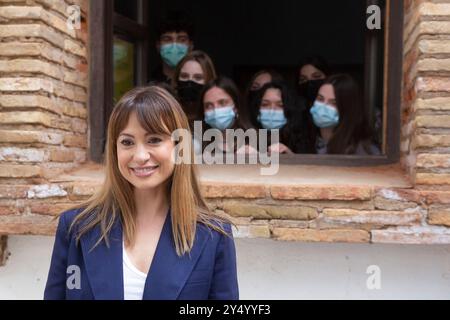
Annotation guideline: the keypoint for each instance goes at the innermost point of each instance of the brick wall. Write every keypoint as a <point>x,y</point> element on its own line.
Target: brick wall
<point>425,142</point>
<point>47,130</point>
<point>332,213</point>
<point>43,111</point>
<point>426,103</point>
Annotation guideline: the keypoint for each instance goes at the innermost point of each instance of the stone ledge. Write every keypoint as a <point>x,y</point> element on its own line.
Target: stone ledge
<point>388,176</point>
<point>291,182</point>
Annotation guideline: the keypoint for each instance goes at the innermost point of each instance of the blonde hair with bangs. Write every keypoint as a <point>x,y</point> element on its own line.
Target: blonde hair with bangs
<point>157,112</point>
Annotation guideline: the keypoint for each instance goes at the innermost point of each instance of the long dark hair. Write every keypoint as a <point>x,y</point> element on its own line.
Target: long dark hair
<point>227,85</point>
<point>315,60</point>
<point>275,77</point>
<point>353,127</point>
<point>309,92</point>
<point>293,134</point>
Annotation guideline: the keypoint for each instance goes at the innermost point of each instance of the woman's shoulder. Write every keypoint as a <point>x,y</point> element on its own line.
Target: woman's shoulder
<point>67,218</point>
<point>69,215</point>
<point>217,229</point>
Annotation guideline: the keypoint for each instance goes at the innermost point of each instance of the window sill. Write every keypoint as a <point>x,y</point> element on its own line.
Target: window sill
<point>388,176</point>
<point>232,179</point>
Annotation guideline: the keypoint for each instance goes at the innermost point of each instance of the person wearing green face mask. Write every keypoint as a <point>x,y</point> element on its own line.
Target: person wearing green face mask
<point>174,43</point>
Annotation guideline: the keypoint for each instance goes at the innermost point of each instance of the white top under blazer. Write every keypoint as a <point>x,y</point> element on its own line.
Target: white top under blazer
<point>133,279</point>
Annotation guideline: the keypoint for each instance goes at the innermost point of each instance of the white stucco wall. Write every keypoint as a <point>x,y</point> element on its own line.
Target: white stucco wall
<point>280,270</point>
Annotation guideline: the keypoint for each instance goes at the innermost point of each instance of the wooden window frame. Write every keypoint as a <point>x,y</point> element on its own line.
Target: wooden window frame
<point>103,22</point>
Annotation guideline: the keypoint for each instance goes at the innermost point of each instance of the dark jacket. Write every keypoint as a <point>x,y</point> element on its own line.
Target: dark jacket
<point>208,272</point>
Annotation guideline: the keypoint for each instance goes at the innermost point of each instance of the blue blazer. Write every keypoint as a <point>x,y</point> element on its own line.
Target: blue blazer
<point>208,272</point>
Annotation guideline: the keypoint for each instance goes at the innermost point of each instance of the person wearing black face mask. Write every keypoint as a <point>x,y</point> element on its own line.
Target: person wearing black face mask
<point>191,75</point>
<point>189,91</point>
<point>309,89</point>
<point>312,72</point>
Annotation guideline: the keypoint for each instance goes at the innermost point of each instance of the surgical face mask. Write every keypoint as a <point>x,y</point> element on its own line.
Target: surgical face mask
<point>172,53</point>
<point>189,91</point>
<point>310,89</point>
<point>324,116</point>
<point>272,119</point>
<point>220,118</point>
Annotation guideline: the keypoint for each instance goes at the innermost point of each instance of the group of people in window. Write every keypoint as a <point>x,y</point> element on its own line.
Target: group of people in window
<point>325,115</point>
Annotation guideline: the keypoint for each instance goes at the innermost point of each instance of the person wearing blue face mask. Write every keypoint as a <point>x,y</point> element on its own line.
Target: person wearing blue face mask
<point>174,43</point>
<point>324,115</point>
<point>279,109</point>
<point>221,107</point>
<point>339,115</point>
<point>254,86</point>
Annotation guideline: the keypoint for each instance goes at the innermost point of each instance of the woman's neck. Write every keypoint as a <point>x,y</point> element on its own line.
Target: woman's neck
<point>326,133</point>
<point>151,203</point>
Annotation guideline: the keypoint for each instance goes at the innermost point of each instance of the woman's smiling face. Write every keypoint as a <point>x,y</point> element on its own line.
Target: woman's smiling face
<point>145,159</point>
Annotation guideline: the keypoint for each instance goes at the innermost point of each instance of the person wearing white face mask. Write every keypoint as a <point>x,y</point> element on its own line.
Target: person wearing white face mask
<point>342,121</point>
<point>279,109</point>
<point>174,43</point>
<point>221,108</point>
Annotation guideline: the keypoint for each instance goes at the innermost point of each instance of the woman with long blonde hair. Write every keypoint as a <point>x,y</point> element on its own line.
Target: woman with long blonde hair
<point>147,233</point>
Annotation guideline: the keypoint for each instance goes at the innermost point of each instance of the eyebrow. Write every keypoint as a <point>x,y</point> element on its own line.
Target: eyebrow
<point>275,101</point>
<point>131,136</point>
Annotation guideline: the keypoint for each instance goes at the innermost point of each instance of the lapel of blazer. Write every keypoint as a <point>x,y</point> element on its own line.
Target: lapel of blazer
<point>169,272</point>
<point>104,265</point>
